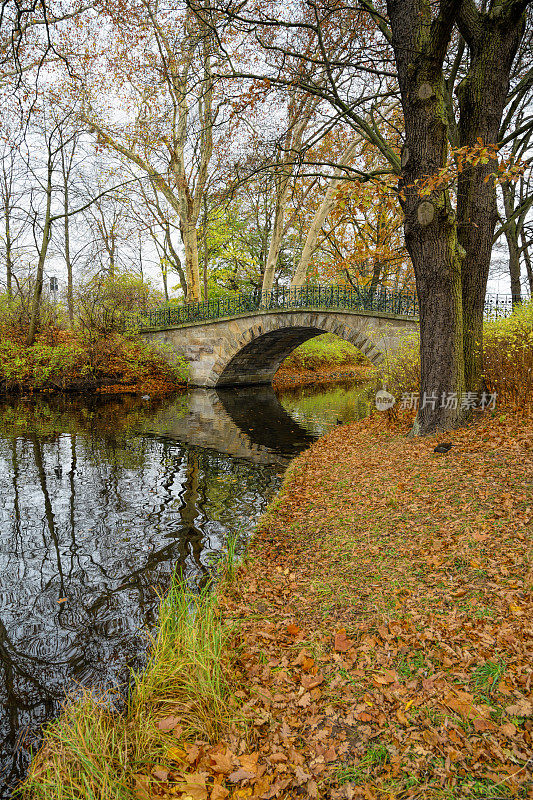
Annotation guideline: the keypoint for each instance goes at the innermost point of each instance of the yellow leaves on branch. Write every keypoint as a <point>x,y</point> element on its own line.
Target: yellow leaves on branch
<point>507,168</point>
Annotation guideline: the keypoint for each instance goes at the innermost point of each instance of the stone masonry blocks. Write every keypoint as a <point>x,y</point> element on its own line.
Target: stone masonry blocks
<point>249,349</point>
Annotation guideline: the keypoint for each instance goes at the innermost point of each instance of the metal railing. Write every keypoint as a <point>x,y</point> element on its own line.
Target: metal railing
<point>388,301</point>
<point>384,301</point>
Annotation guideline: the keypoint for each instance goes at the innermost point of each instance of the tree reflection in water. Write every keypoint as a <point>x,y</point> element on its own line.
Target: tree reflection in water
<point>98,504</point>
<point>94,518</point>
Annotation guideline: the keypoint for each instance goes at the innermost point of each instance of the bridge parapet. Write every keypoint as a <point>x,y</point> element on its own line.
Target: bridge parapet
<point>383,301</point>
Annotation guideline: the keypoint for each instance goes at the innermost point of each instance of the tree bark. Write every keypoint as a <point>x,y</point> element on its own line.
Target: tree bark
<point>66,231</point>
<point>9,252</point>
<point>299,116</point>
<point>527,260</point>
<point>47,230</point>
<point>493,39</point>
<point>420,45</point>
<point>513,245</point>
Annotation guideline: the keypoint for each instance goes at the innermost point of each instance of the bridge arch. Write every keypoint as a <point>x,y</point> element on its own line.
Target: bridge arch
<point>247,349</point>
<point>258,352</point>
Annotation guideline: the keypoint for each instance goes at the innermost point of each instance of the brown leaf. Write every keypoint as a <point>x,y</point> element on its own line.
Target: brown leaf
<point>293,629</point>
<point>175,754</point>
<point>402,719</point>
<point>304,700</point>
<point>522,708</point>
<point>508,730</point>
<point>141,787</point>
<point>160,773</point>
<point>300,776</point>
<point>342,643</point>
<point>249,762</point>
<point>276,788</point>
<point>221,763</point>
<point>194,785</point>
<point>241,775</point>
<point>193,752</point>
<point>168,724</point>
<point>219,792</point>
<point>311,681</point>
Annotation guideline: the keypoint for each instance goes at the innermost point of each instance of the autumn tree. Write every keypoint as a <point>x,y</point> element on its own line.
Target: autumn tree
<point>449,63</point>
<point>156,65</point>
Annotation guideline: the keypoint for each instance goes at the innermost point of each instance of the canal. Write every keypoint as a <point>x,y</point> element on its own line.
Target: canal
<point>100,501</point>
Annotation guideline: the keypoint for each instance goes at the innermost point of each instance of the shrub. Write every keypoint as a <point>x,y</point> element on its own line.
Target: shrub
<point>508,355</point>
<point>104,305</point>
<point>507,358</point>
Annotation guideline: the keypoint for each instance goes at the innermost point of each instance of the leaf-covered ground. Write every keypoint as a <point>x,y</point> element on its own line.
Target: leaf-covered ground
<point>383,624</point>
<point>381,639</point>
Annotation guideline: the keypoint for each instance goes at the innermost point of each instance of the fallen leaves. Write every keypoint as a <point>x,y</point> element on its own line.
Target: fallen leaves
<point>342,643</point>
<point>397,646</point>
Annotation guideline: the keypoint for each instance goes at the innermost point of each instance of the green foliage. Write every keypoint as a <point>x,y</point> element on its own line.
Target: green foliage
<point>86,361</point>
<point>326,350</point>
<point>105,304</point>
<point>98,351</point>
<point>508,354</point>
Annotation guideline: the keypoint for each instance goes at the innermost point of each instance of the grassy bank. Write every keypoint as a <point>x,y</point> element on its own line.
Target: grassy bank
<point>177,705</point>
<point>323,358</point>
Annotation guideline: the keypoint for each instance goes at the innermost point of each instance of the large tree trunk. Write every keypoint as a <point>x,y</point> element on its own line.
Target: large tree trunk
<point>493,40</point>
<point>430,228</point>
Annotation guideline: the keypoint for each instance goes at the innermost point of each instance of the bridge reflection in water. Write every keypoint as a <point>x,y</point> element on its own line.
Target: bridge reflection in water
<point>247,423</point>
<point>99,502</point>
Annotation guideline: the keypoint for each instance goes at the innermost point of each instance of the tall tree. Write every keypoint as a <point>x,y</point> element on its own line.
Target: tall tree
<point>411,48</point>
<point>161,62</point>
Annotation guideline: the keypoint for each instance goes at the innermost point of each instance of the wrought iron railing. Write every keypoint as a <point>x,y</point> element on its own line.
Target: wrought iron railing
<point>498,305</point>
<point>389,301</point>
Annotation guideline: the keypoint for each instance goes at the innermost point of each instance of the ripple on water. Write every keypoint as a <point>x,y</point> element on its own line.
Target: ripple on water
<point>99,503</point>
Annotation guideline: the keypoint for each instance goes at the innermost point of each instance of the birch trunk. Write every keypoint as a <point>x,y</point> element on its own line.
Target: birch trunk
<point>311,242</point>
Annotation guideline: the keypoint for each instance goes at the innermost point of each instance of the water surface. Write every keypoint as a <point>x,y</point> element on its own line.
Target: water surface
<point>100,502</point>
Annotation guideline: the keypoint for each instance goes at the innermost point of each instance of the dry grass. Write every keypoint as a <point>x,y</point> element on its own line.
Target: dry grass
<point>95,753</point>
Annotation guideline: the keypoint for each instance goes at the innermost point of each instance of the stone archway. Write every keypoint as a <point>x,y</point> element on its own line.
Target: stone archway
<point>248,349</point>
<point>261,349</point>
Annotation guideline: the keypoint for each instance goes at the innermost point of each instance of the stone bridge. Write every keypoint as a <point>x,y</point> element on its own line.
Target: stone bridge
<point>248,348</point>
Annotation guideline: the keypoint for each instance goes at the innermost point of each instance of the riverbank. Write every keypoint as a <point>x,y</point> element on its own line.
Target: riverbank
<point>374,642</point>
<point>85,361</point>
<point>289,376</point>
